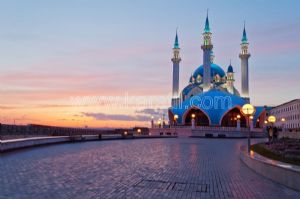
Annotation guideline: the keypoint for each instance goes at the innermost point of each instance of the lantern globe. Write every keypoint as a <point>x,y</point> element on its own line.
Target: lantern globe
<point>272,119</point>
<point>248,109</point>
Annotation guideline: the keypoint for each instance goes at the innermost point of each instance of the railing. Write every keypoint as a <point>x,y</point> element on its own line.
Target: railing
<point>213,128</point>
<point>21,131</point>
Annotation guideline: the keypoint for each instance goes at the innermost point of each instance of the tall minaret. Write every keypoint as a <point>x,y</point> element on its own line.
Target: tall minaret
<point>244,56</point>
<point>207,48</point>
<point>176,60</point>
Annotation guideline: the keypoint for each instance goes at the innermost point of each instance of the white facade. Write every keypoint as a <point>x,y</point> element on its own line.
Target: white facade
<point>290,111</point>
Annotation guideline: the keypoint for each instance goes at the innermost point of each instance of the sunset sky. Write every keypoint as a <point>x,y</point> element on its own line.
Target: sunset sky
<point>74,63</point>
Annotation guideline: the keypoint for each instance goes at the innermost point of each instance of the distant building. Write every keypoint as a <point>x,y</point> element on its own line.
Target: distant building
<point>288,115</point>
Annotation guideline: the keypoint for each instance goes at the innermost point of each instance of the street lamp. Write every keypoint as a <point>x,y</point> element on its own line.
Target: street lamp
<point>251,122</point>
<point>152,122</point>
<point>238,124</point>
<point>248,110</point>
<point>139,131</point>
<point>272,120</point>
<point>283,127</point>
<point>193,120</point>
<point>175,121</point>
<point>158,122</point>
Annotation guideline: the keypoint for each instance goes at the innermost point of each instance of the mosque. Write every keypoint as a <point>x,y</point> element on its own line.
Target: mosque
<point>211,98</point>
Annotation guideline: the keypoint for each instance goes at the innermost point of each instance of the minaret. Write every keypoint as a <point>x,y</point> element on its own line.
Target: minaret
<point>207,48</point>
<point>212,57</point>
<point>176,60</point>
<point>230,79</point>
<point>244,56</point>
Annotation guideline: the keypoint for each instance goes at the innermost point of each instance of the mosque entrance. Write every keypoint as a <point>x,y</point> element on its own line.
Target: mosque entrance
<point>200,118</point>
<point>230,118</point>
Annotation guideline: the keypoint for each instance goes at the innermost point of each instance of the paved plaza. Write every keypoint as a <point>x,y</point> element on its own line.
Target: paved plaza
<point>149,168</point>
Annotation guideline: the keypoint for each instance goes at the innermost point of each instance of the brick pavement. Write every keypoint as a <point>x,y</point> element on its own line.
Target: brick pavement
<point>156,168</point>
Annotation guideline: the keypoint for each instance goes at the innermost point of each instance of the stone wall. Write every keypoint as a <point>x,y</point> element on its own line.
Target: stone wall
<point>283,173</point>
<point>181,132</point>
<point>21,131</point>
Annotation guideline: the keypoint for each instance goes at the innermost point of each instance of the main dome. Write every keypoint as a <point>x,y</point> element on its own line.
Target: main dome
<point>215,69</point>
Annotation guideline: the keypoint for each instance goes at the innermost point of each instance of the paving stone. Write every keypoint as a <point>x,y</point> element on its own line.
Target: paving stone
<point>158,168</point>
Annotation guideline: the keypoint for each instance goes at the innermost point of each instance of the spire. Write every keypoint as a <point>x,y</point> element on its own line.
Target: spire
<point>244,38</point>
<point>207,29</point>
<point>176,44</point>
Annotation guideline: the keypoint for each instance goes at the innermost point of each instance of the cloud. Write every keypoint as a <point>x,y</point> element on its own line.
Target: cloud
<point>151,111</point>
<point>119,117</point>
<point>8,107</point>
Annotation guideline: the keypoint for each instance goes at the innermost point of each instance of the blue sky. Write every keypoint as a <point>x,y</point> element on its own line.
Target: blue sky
<point>51,50</point>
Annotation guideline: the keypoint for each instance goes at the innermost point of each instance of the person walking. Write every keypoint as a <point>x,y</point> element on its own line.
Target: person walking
<point>270,135</point>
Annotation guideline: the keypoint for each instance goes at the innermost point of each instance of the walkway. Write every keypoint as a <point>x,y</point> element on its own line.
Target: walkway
<point>155,168</point>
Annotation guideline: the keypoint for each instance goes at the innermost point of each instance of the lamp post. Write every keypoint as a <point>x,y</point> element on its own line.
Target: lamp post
<point>283,127</point>
<point>266,127</point>
<point>272,120</point>
<point>251,122</point>
<point>139,131</point>
<point>152,122</point>
<point>238,124</point>
<point>175,122</point>
<point>248,110</point>
<point>159,123</point>
<point>193,120</point>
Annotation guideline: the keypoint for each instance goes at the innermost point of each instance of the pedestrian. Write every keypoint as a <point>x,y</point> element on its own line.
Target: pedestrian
<point>275,132</point>
<point>270,135</point>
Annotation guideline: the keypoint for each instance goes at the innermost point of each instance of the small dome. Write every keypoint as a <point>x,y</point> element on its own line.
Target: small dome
<point>192,79</point>
<point>230,69</point>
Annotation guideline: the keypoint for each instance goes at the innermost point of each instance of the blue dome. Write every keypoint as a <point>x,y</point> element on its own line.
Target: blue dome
<point>215,69</point>
<point>230,69</point>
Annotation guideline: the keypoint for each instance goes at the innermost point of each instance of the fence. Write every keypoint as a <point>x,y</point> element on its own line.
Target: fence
<point>20,131</point>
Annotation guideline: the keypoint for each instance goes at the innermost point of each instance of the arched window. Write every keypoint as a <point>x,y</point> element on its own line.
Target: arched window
<point>230,118</point>
<point>200,118</point>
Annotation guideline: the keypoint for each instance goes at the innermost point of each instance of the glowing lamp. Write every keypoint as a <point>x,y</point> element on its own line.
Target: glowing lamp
<point>248,109</point>
<point>193,115</point>
<point>238,117</point>
<point>283,119</point>
<point>175,117</point>
<point>251,117</point>
<point>272,119</point>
